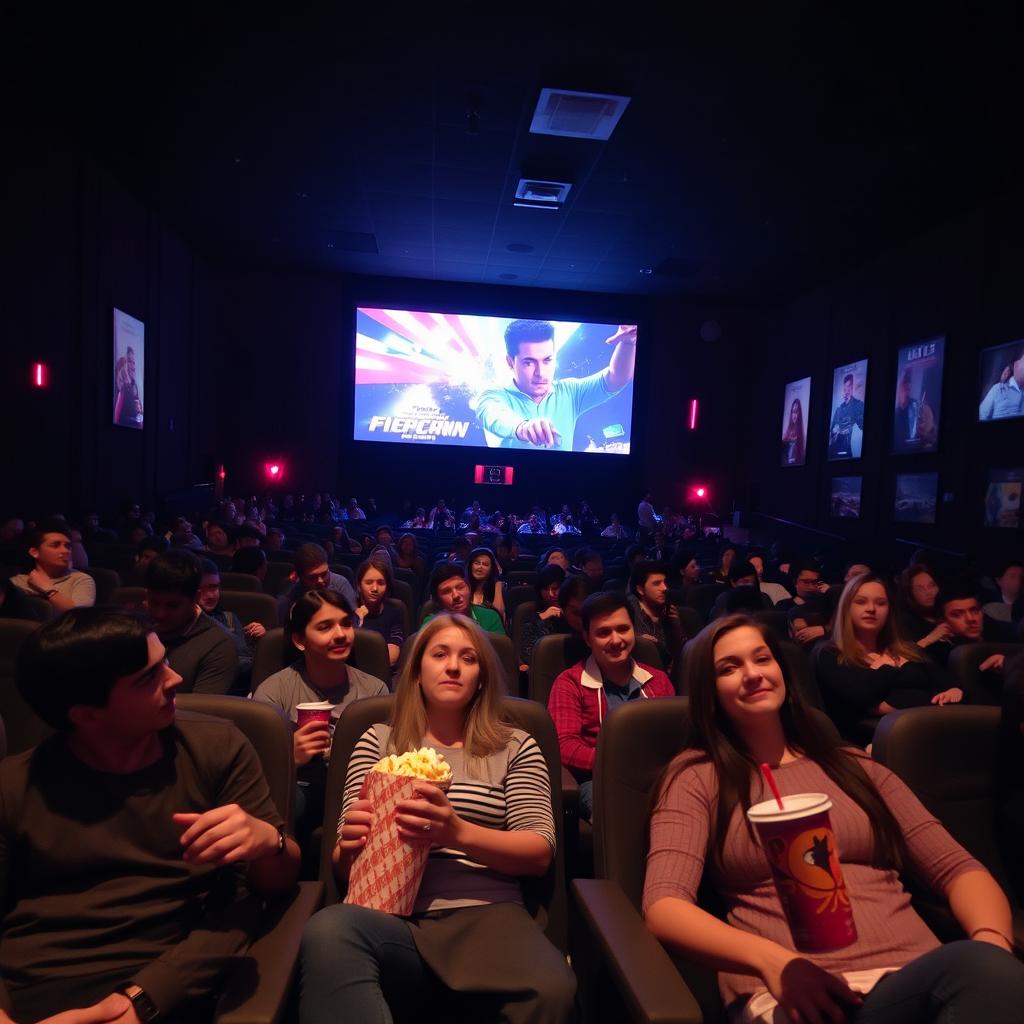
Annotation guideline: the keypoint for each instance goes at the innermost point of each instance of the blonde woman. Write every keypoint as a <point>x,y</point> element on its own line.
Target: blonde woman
<point>492,827</point>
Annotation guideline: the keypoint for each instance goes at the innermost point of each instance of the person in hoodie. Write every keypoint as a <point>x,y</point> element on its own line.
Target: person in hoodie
<point>201,651</point>
<point>584,695</point>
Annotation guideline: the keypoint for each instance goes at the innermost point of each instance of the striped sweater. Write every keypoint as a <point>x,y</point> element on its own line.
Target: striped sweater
<point>508,790</point>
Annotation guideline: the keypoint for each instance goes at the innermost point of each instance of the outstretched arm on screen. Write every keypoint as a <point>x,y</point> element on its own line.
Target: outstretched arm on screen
<point>620,369</point>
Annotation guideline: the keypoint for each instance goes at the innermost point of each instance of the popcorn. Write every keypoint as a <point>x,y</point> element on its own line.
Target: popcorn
<point>425,763</point>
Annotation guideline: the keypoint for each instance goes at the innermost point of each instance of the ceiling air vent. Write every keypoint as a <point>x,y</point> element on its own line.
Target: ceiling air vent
<point>541,195</point>
<point>577,115</point>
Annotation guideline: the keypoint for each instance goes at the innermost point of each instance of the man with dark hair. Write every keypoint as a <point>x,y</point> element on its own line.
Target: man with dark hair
<point>654,615</point>
<point>807,583</point>
<point>958,605</point>
<point>198,648</point>
<point>123,838</point>
<point>52,578</point>
<point>244,634</point>
<point>1008,606</point>
<point>311,572</point>
<point>591,564</point>
<point>450,592</point>
<point>584,695</point>
<point>849,414</point>
<point>1006,397</point>
<point>571,595</point>
<point>539,411</point>
<point>251,561</point>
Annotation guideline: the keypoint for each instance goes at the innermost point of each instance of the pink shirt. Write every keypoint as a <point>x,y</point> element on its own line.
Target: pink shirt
<point>889,931</point>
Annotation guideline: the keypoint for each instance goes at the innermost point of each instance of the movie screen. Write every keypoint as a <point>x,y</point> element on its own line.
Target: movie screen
<point>493,382</point>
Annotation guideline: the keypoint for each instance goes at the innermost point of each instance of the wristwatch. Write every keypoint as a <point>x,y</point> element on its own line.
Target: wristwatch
<point>49,593</point>
<point>282,840</point>
<point>145,1008</point>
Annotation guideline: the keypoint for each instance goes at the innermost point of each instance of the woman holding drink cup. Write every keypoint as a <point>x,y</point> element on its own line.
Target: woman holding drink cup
<point>825,868</point>
<point>468,928</point>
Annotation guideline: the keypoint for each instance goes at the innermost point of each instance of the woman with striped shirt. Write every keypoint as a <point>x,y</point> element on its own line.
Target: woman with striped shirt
<point>469,928</point>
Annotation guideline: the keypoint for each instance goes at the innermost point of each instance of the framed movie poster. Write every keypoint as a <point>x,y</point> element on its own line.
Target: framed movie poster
<point>846,497</point>
<point>918,397</point>
<point>1001,382</point>
<point>846,424</point>
<point>795,408</point>
<point>1002,499</point>
<point>129,370</point>
<point>916,497</point>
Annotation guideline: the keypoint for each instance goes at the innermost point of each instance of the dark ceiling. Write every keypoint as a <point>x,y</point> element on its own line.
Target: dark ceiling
<point>760,153</point>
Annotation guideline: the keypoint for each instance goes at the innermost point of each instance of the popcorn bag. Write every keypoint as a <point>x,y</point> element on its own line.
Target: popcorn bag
<point>386,874</point>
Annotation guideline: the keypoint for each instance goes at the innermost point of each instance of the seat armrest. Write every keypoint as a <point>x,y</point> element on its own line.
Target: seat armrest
<point>1017,934</point>
<point>570,789</point>
<point>649,983</point>
<point>259,995</point>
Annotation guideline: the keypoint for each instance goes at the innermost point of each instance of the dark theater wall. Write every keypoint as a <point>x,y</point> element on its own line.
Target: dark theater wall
<point>961,281</point>
<point>78,246</point>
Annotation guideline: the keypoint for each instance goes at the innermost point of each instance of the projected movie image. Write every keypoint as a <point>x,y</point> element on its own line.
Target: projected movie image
<point>918,397</point>
<point>846,426</point>
<point>1002,499</point>
<point>916,497</point>
<point>493,382</point>
<point>1001,382</point>
<point>795,407</point>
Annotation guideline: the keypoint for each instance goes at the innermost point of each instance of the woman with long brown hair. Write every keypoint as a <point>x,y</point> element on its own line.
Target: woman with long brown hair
<point>793,437</point>
<point>744,713</point>
<point>868,669</point>
<point>469,928</point>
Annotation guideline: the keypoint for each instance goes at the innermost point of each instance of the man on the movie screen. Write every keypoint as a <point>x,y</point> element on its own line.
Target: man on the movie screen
<point>538,411</point>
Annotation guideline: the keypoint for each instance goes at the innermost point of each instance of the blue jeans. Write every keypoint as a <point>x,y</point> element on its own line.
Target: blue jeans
<point>958,983</point>
<point>587,800</point>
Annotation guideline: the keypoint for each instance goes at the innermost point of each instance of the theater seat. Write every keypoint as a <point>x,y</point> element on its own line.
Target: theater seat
<point>106,580</point>
<point>257,992</point>
<point>278,578</point>
<point>273,653</point>
<point>128,597</point>
<point>24,728</point>
<point>255,607</point>
<point>240,581</point>
<point>965,661</point>
<point>624,972</point>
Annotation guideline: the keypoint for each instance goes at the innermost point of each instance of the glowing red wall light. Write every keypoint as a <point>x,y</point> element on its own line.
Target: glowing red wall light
<point>700,491</point>
<point>274,470</point>
<point>40,375</point>
<point>693,413</point>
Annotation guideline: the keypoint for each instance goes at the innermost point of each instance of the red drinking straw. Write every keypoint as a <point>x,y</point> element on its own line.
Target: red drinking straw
<point>770,779</point>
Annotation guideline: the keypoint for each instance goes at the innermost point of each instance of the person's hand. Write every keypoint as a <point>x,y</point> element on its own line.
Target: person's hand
<point>671,613</point>
<point>808,633</point>
<point>358,822</point>
<point>540,432</point>
<point>552,612</point>
<point>38,580</point>
<point>993,661</point>
<point>626,332</point>
<point>116,1007</point>
<point>254,630</point>
<point>225,835</point>
<point>808,993</point>
<point>951,696</point>
<point>312,739</point>
<point>940,632</point>
<point>428,808</point>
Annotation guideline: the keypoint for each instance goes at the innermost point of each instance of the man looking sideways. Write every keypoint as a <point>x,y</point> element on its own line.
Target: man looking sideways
<point>450,591</point>
<point>135,843</point>
<point>52,578</point>
<point>539,411</point>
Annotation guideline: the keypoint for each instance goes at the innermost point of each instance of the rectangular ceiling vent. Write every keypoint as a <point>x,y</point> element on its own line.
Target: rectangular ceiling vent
<point>541,195</point>
<point>577,115</point>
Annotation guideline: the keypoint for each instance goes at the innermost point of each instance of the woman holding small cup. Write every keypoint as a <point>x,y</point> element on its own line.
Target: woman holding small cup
<point>469,928</point>
<point>890,968</point>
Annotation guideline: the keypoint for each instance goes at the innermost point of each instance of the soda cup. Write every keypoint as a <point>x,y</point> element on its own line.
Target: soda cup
<point>314,711</point>
<point>804,860</point>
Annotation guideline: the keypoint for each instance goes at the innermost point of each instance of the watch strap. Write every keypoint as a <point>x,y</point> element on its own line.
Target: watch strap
<point>145,1008</point>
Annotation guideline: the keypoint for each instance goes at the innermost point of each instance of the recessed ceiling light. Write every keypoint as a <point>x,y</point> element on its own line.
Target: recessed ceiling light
<point>647,271</point>
<point>519,247</point>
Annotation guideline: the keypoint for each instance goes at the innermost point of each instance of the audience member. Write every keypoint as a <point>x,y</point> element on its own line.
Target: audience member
<point>582,696</point>
<point>775,592</point>
<point>52,578</point>
<point>244,634</point>
<point>745,712</point>
<point>615,530</point>
<point>547,614</point>
<point>409,556</point>
<point>855,569</point>
<point>441,517</point>
<point>251,562</point>
<point>352,512</point>
<point>127,835</point>
<point>145,551</point>
<point>322,629</point>
<point>591,565</point>
<point>720,574</point>
<point>554,556</point>
<point>571,596</point>
<point>646,517</point>
<point>532,525</point>
<point>654,616</point>
<point>868,669</point>
<point>492,827</point>
<point>248,535</point>
<point>275,539</point>
<point>807,623</point>
<point>311,572</point>
<point>807,584</point>
<point>198,649</point>
<point>744,593</point>
<point>374,612</point>
<point>343,543</point>
<point>12,540</point>
<point>920,619</point>
<point>484,585</point>
<point>1008,606</point>
<point>684,568</point>
<point>16,604</point>
<point>450,592</point>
